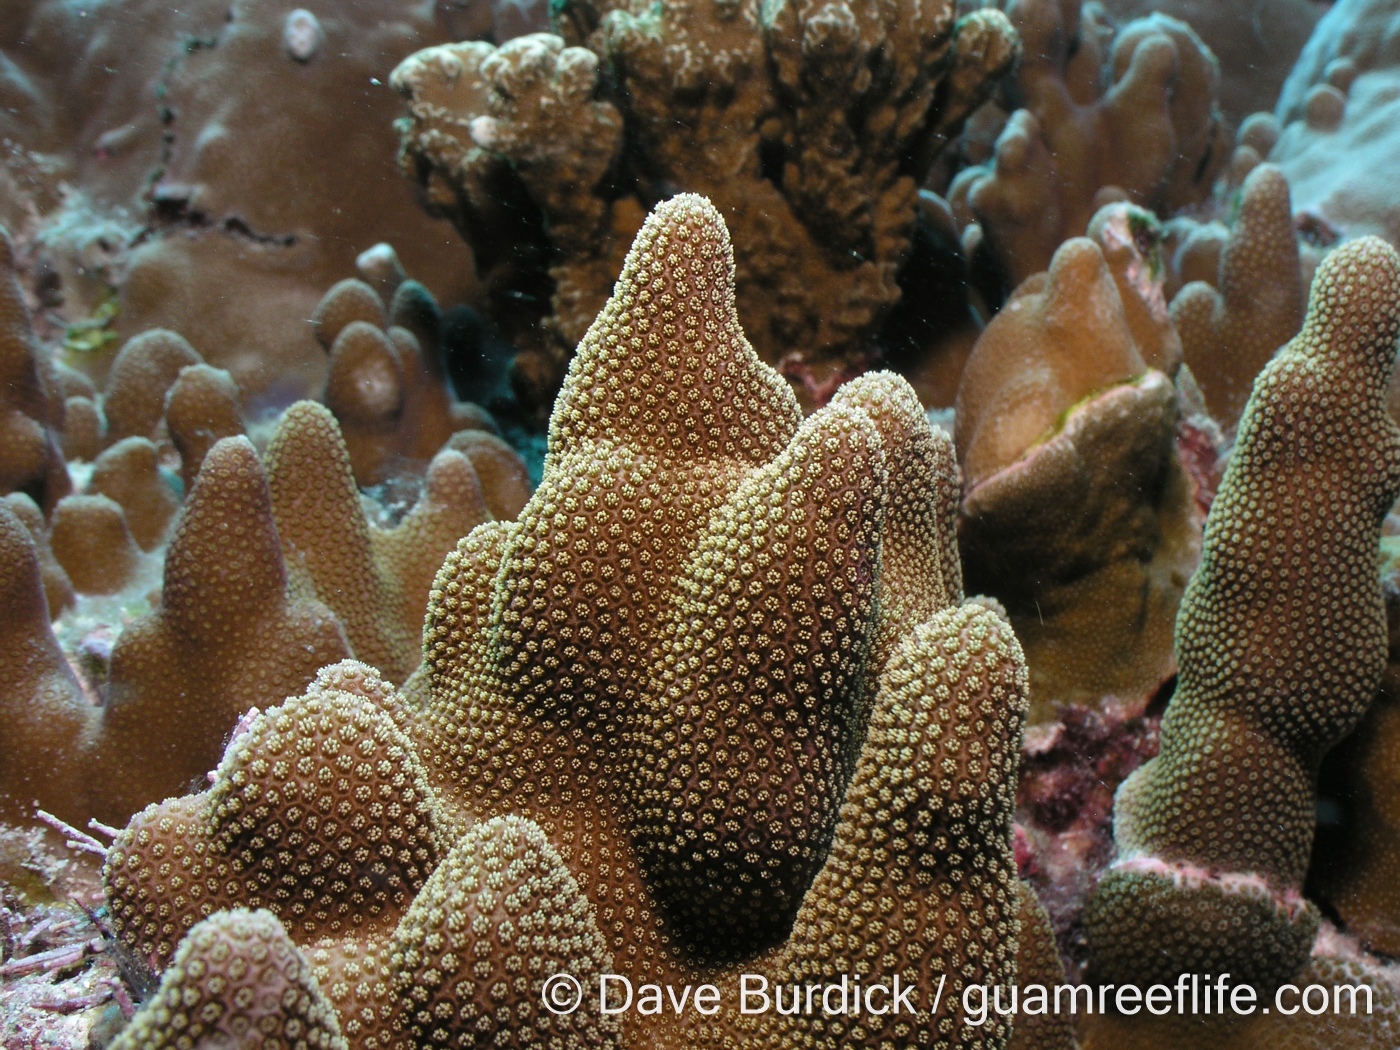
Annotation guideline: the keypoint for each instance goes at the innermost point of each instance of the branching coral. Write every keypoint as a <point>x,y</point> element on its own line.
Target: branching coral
<point>1229,334</point>
<point>602,697</point>
<point>809,128</point>
<point>1077,512</point>
<point>1138,122</point>
<point>1280,648</point>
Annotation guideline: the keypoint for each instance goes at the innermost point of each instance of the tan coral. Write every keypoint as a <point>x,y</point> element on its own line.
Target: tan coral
<point>1038,963</point>
<point>129,473</point>
<point>1130,238</point>
<point>225,638</point>
<point>505,482</point>
<point>558,643</point>
<point>1279,655</point>
<point>249,200</point>
<point>31,403</point>
<point>144,369</point>
<point>91,540</point>
<point>1077,512</point>
<point>47,723</point>
<point>1229,334</point>
<point>331,549</point>
<point>798,122</point>
<point>58,588</point>
<point>1145,128</point>
<point>387,390</point>
<point>1355,854</point>
<point>201,408</point>
<point>212,995</point>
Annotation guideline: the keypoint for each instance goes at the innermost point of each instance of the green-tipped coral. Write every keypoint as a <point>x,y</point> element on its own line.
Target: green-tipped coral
<point>1281,642</point>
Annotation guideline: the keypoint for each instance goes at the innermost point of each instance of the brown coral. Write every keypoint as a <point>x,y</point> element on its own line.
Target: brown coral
<point>201,408</point>
<point>236,977</point>
<point>31,404</point>
<point>144,369</point>
<point>47,722</point>
<point>386,388</point>
<point>225,638</point>
<point>1077,513</point>
<point>331,550</point>
<point>129,473</point>
<point>1229,334</point>
<point>92,542</point>
<point>689,513</point>
<point>811,129</point>
<point>58,588</point>
<point>1279,654</point>
<point>1138,122</point>
<point>253,177</point>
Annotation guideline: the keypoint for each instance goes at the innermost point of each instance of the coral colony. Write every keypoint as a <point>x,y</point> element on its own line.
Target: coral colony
<point>704,524</point>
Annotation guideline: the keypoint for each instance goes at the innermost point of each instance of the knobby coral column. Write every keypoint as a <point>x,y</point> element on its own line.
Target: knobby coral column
<point>1281,641</point>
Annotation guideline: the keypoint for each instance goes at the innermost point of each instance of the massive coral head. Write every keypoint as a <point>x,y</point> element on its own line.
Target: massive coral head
<point>1281,641</point>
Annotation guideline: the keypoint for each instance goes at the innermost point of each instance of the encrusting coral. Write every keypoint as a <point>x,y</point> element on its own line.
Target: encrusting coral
<point>811,129</point>
<point>1100,116</point>
<point>1077,513</point>
<point>1281,643</point>
<point>646,694</point>
<point>1229,331</point>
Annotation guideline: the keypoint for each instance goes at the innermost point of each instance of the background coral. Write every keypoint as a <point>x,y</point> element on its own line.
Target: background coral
<point>31,405</point>
<point>1337,109</point>
<point>813,152</point>
<point>1099,115</point>
<point>1230,331</point>
<point>251,176</point>
<point>1077,512</point>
